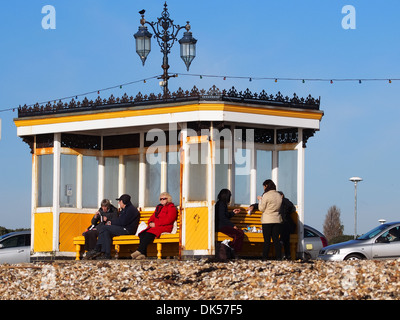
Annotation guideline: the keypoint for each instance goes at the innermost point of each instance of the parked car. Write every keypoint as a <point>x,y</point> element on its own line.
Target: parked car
<point>15,247</point>
<point>314,241</point>
<point>382,242</point>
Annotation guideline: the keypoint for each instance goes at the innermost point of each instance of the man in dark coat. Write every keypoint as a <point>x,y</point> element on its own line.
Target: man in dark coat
<point>126,223</point>
<point>288,226</point>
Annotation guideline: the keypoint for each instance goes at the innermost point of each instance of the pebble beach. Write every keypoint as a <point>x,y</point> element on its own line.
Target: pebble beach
<point>201,279</point>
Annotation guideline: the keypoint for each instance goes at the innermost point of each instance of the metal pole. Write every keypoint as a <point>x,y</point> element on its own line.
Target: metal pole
<point>355,180</point>
<point>355,209</point>
<point>165,67</point>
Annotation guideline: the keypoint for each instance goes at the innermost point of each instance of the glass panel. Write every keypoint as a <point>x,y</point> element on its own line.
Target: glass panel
<point>153,179</point>
<point>132,178</point>
<point>90,178</point>
<point>68,180</point>
<point>221,170</point>
<point>242,176</point>
<point>198,154</point>
<point>111,178</point>
<point>173,176</point>
<point>264,167</point>
<point>287,176</point>
<point>45,180</point>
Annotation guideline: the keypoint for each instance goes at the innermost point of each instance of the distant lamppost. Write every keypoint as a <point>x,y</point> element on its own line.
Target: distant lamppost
<point>355,180</point>
<point>166,34</point>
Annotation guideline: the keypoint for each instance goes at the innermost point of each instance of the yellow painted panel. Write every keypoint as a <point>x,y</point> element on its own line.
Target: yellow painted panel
<point>72,225</point>
<point>43,232</point>
<point>196,228</point>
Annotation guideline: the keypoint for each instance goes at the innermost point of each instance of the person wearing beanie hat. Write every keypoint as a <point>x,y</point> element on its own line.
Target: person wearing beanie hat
<point>106,212</point>
<point>126,223</point>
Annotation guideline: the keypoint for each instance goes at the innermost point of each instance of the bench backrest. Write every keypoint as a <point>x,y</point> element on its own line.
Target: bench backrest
<point>242,220</point>
<point>145,216</point>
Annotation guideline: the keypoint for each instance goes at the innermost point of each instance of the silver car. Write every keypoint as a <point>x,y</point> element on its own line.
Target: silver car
<point>314,241</point>
<point>15,247</point>
<point>382,242</point>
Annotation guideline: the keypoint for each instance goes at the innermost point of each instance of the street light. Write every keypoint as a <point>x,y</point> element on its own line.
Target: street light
<point>188,47</point>
<point>355,180</point>
<point>143,43</point>
<point>166,34</point>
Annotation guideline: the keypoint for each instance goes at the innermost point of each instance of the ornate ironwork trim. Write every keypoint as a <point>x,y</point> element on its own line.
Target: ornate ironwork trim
<point>213,94</point>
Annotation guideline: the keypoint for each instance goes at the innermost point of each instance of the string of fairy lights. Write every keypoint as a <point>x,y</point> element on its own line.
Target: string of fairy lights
<point>227,77</point>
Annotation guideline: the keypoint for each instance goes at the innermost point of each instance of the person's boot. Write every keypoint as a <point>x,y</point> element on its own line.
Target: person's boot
<point>135,254</point>
<point>92,254</point>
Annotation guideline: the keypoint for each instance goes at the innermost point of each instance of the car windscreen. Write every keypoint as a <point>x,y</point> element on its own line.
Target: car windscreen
<point>373,232</point>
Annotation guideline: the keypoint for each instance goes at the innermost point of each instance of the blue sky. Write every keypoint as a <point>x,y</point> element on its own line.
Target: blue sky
<point>93,47</point>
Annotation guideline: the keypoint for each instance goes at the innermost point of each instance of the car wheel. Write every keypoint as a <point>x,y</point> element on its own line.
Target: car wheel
<point>354,256</point>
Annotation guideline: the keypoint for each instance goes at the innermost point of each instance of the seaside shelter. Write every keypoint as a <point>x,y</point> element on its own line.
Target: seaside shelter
<point>189,143</point>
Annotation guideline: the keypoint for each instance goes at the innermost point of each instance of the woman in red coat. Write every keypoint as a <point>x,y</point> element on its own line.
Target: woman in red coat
<point>161,221</point>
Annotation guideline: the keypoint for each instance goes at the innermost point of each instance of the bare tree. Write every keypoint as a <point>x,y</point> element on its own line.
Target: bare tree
<point>333,225</point>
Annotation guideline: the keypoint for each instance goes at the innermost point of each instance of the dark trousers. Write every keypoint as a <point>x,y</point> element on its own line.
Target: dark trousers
<point>106,234</point>
<point>285,238</point>
<point>145,239</point>
<point>271,230</point>
<point>236,234</point>
<point>90,239</point>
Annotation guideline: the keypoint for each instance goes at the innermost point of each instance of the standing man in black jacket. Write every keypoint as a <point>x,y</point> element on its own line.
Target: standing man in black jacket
<point>288,226</point>
<point>126,223</point>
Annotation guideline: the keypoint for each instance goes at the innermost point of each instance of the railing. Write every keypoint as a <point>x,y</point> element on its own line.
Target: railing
<point>214,94</point>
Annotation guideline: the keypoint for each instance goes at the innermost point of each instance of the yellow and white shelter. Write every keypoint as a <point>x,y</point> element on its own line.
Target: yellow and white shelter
<point>191,144</point>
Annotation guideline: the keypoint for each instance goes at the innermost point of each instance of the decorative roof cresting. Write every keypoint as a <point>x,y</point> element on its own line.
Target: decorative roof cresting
<point>215,94</point>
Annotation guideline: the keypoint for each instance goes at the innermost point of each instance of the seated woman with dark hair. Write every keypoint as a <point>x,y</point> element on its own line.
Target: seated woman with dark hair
<point>224,224</point>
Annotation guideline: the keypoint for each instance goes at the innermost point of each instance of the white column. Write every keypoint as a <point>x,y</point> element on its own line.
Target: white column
<point>56,190</point>
<point>101,180</point>
<point>34,191</point>
<point>300,189</point>
<point>275,162</point>
<point>253,169</point>
<point>232,166</point>
<point>184,158</point>
<point>275,168</point>
<point>185,162</point>
<point>121,176</point>
<point>211,191</point>
<point>163,169</point>
<point>142,171</point>
<point>79,164</point>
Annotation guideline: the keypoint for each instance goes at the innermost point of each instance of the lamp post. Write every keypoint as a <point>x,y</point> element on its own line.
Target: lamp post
<point>355,180</point>
<point>166,34</point>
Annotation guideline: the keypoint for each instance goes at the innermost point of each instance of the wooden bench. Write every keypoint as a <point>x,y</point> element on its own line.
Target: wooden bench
<point>125,240</point>
<point>252,246</point>
<point>253,241</point>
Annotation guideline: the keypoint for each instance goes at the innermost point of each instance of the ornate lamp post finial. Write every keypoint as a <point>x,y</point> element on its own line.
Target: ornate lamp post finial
<point>165,32</point>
